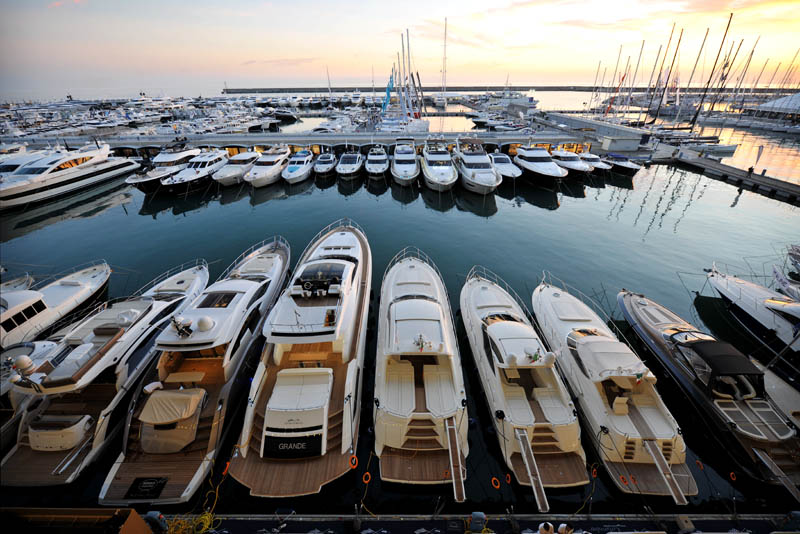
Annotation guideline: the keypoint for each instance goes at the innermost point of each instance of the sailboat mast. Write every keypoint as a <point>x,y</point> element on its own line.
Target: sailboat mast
<point>660,69</point>
<point>669,75</point>
<point>444,61</point>
<point>705,91</point>
<point>649,83</point>
<point>594,85</point>
<point>633,80</point>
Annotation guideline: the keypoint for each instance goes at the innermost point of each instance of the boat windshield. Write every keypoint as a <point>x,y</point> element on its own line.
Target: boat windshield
<point>266,162</point>
<point>535,159</point>
<point>439,163</point>
<point>568,158</point>
<point>477,165</point>
<point>502,159</point>
<point>8,168</point>
<point>349,159</point>
<point>239,161</point>
<point>31,170</point>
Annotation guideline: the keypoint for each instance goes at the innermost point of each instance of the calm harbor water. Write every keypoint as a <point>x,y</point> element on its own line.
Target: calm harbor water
<point>597,235</point>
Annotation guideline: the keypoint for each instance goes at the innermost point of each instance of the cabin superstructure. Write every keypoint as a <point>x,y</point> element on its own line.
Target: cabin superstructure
<point>301,424</point>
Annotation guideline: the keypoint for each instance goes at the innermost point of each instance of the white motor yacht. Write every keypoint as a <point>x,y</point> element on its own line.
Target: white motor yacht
<point>86,379</point>
<point>350,164</point>
<point>594,161</point>
<point>232,173</point>
<point>538,163</point>
<point>438,170</point>
<point>537,425</point>
<point>770,317</point>
<point>621,164</point>
<point>420,412</point>
<point>301,423</point>
<point>637,438</point>
<point>180,413</point>
<point>377,162</point>
<point>299,168</point>
<point>61,172</point>
<point>197,174</point>
<point>14,161</point>
<point>504,165</point>
<point>26,313</point>
<point>168,162</point>
<point>269,166</point>
<point>405,164</point>
<point>570,161</point>
<point>477,172</point>
<point>326,163</point>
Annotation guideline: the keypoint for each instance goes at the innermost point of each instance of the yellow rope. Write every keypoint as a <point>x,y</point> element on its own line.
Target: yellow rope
<point>203,522</point>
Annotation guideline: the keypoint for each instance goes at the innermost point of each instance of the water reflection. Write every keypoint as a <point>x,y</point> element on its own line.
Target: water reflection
<point>259,195</point>
<point>404,195</point>
<point>480,205</point>
<point>377,186</point>
<point>442,201</point>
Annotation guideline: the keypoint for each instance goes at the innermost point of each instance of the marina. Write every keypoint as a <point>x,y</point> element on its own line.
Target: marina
<point>408,303</point>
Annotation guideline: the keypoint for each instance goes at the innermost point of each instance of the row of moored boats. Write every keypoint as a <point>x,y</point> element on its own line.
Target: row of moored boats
<point>161,373</point>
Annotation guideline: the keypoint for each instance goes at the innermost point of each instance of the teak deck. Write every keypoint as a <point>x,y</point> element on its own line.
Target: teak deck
<point>416,466</point>
<point>556,470</point>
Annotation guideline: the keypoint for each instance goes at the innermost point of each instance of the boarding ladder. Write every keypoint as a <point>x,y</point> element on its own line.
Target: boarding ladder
<point>532,469</point>
<point>778,472</point>
<point>454,452</point>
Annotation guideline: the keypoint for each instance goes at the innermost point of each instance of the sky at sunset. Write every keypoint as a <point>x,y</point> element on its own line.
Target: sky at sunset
<point>104,48</point>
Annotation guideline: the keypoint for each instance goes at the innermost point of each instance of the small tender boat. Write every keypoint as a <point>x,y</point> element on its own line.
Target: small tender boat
<point>85,381</point>
<point>377,161</point>
<point>420,412</point>
<point>726,388</point>
<point>350,164</point>
<point>594,161</point>
<point>637,438</point>
<point>179,415</point>
<point>537,425</point>
<point>570,161</point>
<point>438,170</point>
<point>538,163</point>
<point>405,164</point>
<point>299,168</point>
<point>26,313</point>
<point>477,172</point>
<point>326,163</point>
<point>197,174</point>
<point>504,165</point>
<point>621,164</point>
<point>232,173</point>
<point>770,317</point>
<point>268,167</point>
<point>789,286</point>
<point>303,411</point>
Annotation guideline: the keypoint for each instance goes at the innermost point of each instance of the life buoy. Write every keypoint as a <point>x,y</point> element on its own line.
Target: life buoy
<point>495,483</point>
<point>366,478</point>
<point>508,478</point>
<point>353,462</point>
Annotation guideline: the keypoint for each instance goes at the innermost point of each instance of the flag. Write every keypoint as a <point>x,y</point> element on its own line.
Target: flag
<point>389,88</point>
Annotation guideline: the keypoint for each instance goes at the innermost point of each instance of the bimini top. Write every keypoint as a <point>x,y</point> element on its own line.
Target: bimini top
<point>602,357</point>
<point>724,359</point>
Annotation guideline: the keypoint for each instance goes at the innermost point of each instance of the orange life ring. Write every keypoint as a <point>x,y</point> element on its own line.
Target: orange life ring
<point>353,462</point>
<point>733,476</point>
<point>508,478</point>
<point>366,478</point>
<point>495,483</point>
<point>699,464</point>
<point>633,479</point>
<point>446,474</point>
<point>623,480</point>
<point>594,472</point>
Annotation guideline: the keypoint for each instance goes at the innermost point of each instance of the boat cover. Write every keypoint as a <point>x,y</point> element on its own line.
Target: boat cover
<point>724,358</point>
<point>165,406</point>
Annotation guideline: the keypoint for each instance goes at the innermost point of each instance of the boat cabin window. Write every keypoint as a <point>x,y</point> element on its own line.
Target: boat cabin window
<point>31,170</point>
<point>217,300</point>
<point>477,165</point>
<point>8,168</point>
<point>71,163</point>
<point>502,159</point>
<point>535,159</point>
<point>566,158</point>
<point>348,159</point>
<point>572,344</point>
<point>259,293</point>
<point>696,363</point>
<point>487,348</point>
<point>266,162</point>
<point>792,320</point>
<point>439,163</point>
<point>21,317</point>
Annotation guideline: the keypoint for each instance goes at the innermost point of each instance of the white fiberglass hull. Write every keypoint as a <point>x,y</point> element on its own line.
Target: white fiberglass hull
<point>406,174</point>
<point>63,185</point>
<point>264,178</point>
<point>438,182</point>
<point>296,176</point>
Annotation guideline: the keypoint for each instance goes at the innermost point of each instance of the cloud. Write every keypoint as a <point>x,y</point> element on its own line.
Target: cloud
<point>281,62</point>
<point>62,3</point>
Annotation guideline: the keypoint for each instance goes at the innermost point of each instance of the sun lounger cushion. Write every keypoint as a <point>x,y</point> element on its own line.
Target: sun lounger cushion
<point>166,406</point>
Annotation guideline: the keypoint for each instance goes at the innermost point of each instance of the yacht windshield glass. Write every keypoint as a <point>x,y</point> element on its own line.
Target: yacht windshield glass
<point>8,168</point>
<point>501,159</point>
<point>439,163</point>
<point>217,300</point>
<point>477,165</point>
<point>535,159</point>
<point>349,160</point>
<point>265,162</point>
<point>31,170</point>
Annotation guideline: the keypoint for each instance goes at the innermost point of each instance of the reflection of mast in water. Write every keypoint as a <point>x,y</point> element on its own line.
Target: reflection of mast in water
<point>676,193</point>
<point>689,202</point>
<point>616,193</point>
<point>644,199</point>
<point>624,201</point>
<point>738,196</point>
<point>658,204</point>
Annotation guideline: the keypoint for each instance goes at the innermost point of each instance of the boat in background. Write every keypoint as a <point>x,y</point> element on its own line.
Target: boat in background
<point>621,164</point>
<point>636,437</point>
<point>726,388</point>
<point>594,161</point>
<point>326,163</point>
<point>504,165</point>
<point>405,163</point>
<point>767,315</point>
<point>377,162</point>
<point>420,412</point>
<point>570,161</point>
<point>299,168</point>
<point>232,173</point>
<point>478,175</point>
<point>179,415</point>
<point>537,424</point>
<point>268,167</point>
<point>85,381</point>
<point>197,174</point>
<point>301,424</point>
<point>538,162</point>
<point>169,162</point>
<point>350,164</point>
<point>438,170</point>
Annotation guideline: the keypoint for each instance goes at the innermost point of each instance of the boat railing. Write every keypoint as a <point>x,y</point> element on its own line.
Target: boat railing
<point>53,277</point>
<point>344,222</point>
<point>552,280</point>
<point>276,240</point>
<point>199,262</point>
<point>479,271</point>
